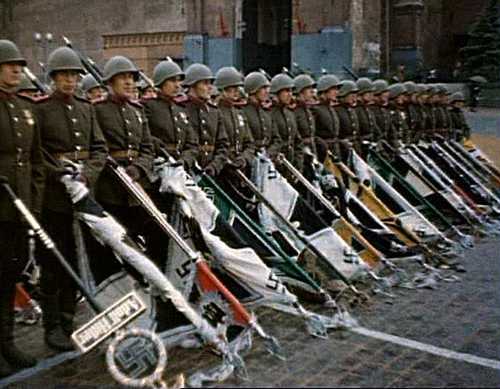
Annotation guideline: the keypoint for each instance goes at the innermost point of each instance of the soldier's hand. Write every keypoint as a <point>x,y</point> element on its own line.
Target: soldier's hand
<point>133,172</point>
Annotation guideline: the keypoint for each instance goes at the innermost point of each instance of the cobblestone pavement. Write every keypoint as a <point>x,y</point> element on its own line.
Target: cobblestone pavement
<point>461,316</point>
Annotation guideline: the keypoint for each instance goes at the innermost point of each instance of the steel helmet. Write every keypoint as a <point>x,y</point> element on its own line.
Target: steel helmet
<point>197,72</point>
<point>89,82</point>
<point>117,65</point>
<point>165,70</point>
<point>228,76</point>
<point>303,81</point>
<point>10,53</point>
<point>280,82</point>
<point>64,58</point>
<point>380,86</point>
<point>254,81</point>
<point>326,82</point>
<point>347,87</point>
<point>365,85</point>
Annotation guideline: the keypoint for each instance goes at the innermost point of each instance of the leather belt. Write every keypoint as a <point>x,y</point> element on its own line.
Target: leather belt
<point>124,154</point>
<point>207,148</point>
<point>72,155</point>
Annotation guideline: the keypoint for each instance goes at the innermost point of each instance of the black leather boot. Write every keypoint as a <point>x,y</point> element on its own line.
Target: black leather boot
<point>16,358</point>
<point>54,337</point>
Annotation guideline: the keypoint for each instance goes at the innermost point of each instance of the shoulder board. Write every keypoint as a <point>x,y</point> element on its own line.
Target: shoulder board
<point>136,103</point>
<point>144,100</point>
<point>181,99</point>
<point>82,99</point>
<point>42,99</point>
<point>28,99</point>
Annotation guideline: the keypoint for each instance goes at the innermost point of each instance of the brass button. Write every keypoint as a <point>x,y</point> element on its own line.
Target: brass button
<point>74,120</point>
<point>70,107</point>
<point>77,134</point>
<point>11,106</point>
<point>16,119</point>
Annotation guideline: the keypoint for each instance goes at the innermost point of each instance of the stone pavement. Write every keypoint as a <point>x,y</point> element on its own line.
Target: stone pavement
<point>461,316</point>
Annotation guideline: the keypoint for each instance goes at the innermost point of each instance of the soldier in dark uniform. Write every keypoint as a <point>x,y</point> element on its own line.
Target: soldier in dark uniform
<point>126,131</point>
<point>168,122</point>
<point>258,117</point>
<point>423,121</point>
<point>428,108</point>
<point>349,124</point>
<point>305,99</point>
<point>381,108</point>
<point>242,146</point>
<point>206,120</point>
<point>369,130</point>
<point>326,118</point>
<point>92,90</point>
<point>399,124</point>
<point>460,128</point>
<point>21,162</point>
<point>69,130</point>
<point>412,113</point>
<point>442,114</point>
<point>284,120</point>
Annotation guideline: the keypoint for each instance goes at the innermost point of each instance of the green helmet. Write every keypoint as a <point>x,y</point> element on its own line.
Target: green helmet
<point>280,82</point>
<point>432,89</point>
<point>347,87</point>
<point>327,82</point>
<point>10,53</point>
<point>420,89</point>
<point>26,84</point>
<point>380,86</point>
<point>165,70</point>
<point>197,72</point>
<point>64,58</point>
<point>396,90</point>
<point>117,65</point>
<point>254,81</point>
<point>89,82</point>
<point>457,96</point>
<point>303,81</point>
<point>365,85</point>
<point>228,76</point>
<point>410,87</point>
<point>442,89</point>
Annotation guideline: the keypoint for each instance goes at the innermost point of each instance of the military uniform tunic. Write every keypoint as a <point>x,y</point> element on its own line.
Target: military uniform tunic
<point>349,130</point>
<point>126,130</point>
<point>460,128</point>
<point>213,140</point>
<point>69,129</point>
<point>171,129</point>
<point>306,124</point>
<point>292,145</point>
<point>242,145</point>
<point>327,127</point>
<point>263,129</point>
<point>21,161</point>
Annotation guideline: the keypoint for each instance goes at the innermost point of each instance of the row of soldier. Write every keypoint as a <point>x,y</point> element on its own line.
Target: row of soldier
<point>182,116</point>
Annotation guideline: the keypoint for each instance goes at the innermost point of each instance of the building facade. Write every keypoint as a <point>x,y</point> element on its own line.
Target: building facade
<point>368,36</point>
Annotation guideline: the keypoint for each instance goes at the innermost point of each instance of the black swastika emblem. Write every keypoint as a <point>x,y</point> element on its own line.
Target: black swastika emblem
<point>137,358</point>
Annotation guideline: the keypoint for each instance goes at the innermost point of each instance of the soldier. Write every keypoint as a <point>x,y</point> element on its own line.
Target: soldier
<point>259,119</point>
<point>428,108</point>
<point>460,128</point>
<point>441,112</point>
<point>206,119</point>
<point>369,131</point>
<point>381,108</point>
<point>242,146</point>
<point>349,123</point>
<point>399,128</point>
<point>21,162</point>
<point>27,89</point>
<point>284,120</point>
<point>412,113</point>
<point>93,91</point>
<point>69,130</point>
<point>326,120</point>
<point>304,89</point>
<point>423,121</point>
<point>168,123</point>
<point>126,131</point>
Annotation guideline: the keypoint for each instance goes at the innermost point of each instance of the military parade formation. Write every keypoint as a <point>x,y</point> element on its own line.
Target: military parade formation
<point>239,191</point>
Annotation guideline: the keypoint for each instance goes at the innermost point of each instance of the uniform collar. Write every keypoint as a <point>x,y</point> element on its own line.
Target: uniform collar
<point>6,94</point>
<point>226,103</point>
<point>167,99</point>
<point>67,99</point>
<point>200,103</point>
<point>119,100</point>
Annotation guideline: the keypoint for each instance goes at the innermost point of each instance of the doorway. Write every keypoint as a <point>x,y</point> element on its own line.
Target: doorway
<point>266,41</point>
